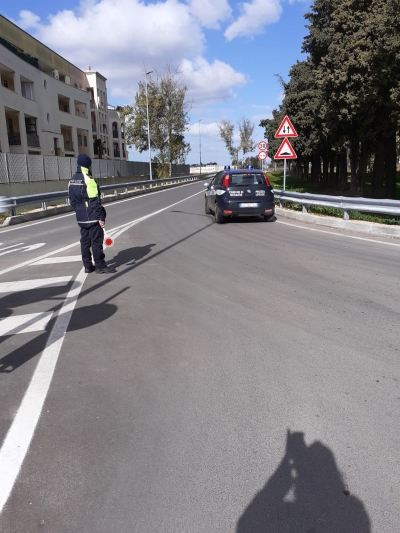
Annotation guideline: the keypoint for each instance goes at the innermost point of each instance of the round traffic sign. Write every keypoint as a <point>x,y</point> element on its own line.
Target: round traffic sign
<point>262,156</point>
<point>262,145</point>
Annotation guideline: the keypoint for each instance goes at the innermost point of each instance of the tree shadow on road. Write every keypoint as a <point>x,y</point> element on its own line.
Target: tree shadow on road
<point>82,317</point>
<point>131,255</point>
<point>306,494</point>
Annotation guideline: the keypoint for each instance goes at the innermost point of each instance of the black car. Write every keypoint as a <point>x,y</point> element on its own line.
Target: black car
<point>239,192</point>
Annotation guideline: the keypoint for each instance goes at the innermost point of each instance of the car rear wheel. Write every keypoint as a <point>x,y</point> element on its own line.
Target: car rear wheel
<point>219,219</point>
<point>206,208</point>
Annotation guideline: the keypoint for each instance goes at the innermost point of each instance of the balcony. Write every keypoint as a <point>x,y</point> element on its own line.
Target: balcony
<point>92,105</point>
<point>33,140</point>
<point>68,146</point>
<point>115,134</point>
<point>117,153</point>
<point>14,139</point>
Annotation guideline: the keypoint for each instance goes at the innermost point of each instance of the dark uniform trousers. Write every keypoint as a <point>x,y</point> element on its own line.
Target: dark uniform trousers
<point>92,237</point>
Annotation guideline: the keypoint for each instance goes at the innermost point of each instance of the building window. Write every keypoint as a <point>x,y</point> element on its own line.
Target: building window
<point>79,139</point>
<point>27,89</point>
<point>5,84</point>
<point>84,140</point>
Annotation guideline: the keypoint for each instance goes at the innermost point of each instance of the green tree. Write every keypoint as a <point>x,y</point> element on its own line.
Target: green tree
<point>168,118</point>
<point>246,131</point>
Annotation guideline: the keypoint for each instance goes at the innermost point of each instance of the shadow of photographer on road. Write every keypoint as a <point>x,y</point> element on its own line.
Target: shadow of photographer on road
<point>306,494</point>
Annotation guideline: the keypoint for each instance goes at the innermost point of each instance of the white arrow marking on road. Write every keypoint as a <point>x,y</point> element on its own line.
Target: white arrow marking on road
<point>27,248</point>
<point>32,322</point>
<point>9,247</point>
<point>18,286</point>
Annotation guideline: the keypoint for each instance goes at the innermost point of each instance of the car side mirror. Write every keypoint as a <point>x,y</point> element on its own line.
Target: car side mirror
<point>206,184</point>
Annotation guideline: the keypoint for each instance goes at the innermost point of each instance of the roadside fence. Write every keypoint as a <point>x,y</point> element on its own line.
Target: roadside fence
<point>28,168</point>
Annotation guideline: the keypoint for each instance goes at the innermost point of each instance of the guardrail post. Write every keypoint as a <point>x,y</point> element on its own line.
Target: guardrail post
<point>304,208</point>
<point>44,206</point>
<point>346,215</point>
<point>281,203</point>
<point>115,192</point>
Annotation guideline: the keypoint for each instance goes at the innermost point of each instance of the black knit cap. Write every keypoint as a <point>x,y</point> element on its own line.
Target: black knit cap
<point>84,161</point>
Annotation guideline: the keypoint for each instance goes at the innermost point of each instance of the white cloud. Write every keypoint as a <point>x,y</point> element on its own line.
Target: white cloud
<point>206,130</point>
<point>210,12</point>
<point>211,82</point>
<point>28,19</point>
<point>118,37</point>
<point>255,15</point>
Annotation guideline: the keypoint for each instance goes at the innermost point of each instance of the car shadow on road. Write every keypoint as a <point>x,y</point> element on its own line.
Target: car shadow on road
<point>246,220</point>
<point>194,214</point>
<point>306,494</point>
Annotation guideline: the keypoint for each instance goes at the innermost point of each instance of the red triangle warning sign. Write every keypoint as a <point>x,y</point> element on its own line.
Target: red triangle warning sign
<point>286,129</point>
<point>285,151</point>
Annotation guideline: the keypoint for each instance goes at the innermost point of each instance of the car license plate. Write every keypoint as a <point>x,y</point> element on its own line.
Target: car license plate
<point>249,205</point>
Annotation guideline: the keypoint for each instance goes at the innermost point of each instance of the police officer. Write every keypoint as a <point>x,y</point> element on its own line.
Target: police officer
<point>84,197</point>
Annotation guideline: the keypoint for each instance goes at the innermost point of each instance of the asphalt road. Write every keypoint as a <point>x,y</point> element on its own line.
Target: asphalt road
<point>229,378</point>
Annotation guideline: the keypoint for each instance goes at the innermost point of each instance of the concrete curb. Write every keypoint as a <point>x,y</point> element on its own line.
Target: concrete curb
<point>359,226</point>
<point>53,211</point>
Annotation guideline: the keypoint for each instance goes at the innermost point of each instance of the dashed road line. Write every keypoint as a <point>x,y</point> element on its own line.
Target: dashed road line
<point>28,323</point>
<point>57,260</point>
<point>29,284</point>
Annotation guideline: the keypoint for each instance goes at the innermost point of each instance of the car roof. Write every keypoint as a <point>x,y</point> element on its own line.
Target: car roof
<point>241,170</point>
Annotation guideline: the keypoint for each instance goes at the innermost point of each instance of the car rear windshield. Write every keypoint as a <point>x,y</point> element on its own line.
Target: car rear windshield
<point>246,179</point>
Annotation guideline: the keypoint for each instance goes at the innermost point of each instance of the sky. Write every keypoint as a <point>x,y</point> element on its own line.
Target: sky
<point>229,53</point>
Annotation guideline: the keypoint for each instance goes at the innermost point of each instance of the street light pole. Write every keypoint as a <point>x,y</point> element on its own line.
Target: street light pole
<point>148,124</point>
<point>200,143</point>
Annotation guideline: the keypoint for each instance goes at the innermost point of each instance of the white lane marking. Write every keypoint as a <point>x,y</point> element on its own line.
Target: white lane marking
<point>29,323</point>
<point>19,436</point>
<point>338,234</point>
<point>26,263</point>
<point>18,286</point>
<point>50,219</point>
<point>56,260</point>
<point>112,232</point>
<point>12,246</point>
<point>24,249</point>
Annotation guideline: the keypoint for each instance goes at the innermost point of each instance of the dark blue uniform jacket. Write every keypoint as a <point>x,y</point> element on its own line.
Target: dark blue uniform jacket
<point>84,197</point>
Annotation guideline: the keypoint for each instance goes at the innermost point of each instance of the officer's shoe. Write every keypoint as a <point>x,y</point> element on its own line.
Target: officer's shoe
<point>105,270</point>
<point>90,269</point>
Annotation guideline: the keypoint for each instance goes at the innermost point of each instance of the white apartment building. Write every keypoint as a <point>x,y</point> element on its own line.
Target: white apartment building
<point>107,126</point>
<point>47,105</point>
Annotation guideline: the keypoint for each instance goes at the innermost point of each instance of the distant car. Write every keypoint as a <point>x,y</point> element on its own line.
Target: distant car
<point>239,192</point>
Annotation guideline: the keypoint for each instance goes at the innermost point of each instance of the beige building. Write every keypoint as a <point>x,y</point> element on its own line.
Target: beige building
<point>107,126</point>
<point>47,105</point>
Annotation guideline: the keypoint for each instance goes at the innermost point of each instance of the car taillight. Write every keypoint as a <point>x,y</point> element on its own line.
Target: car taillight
<point>267,180</point>
<point>225,181</point>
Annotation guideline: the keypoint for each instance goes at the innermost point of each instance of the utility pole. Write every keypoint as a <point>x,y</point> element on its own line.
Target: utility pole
<point>148,124</point>
<point>200,143</point>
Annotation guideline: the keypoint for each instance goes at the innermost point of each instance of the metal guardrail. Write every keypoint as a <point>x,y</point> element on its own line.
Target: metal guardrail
<point>367,205</point>
<point>11,203</point>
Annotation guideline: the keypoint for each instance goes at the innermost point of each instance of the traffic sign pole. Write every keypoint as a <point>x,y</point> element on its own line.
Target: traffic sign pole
<point>284,174</point>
